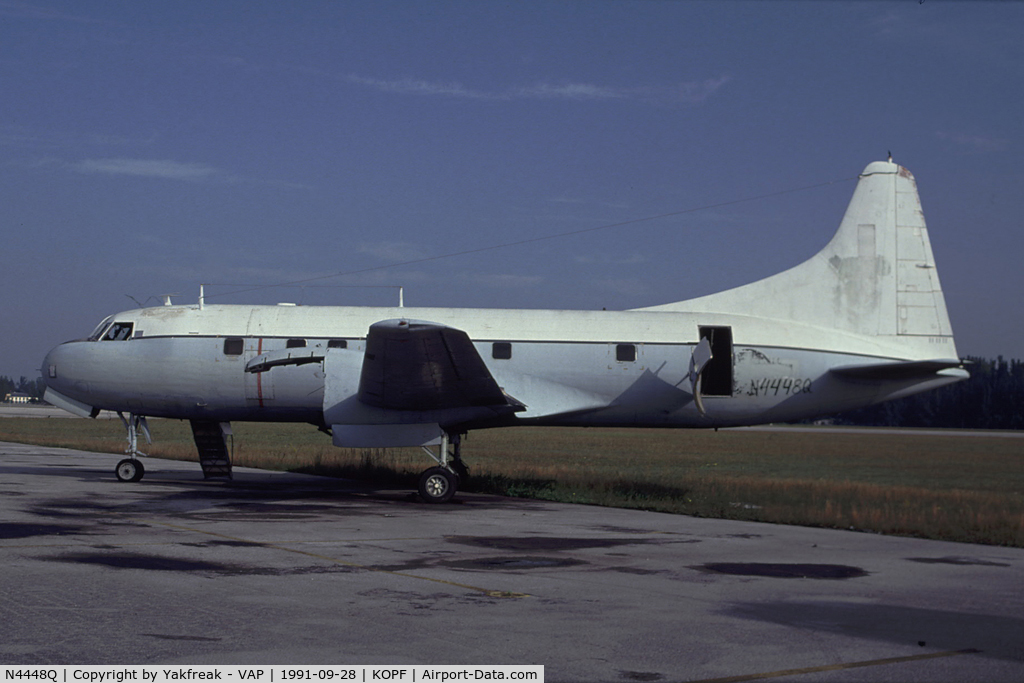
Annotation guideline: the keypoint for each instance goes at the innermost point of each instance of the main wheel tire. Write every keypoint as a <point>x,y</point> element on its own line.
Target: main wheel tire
<point>129,469</point>
<point>437,485</point>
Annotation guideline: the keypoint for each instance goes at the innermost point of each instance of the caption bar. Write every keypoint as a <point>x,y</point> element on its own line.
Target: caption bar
<point>361,673</point>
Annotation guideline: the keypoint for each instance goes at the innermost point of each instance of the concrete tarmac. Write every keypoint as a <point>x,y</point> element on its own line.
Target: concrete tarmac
<point>275,568</point>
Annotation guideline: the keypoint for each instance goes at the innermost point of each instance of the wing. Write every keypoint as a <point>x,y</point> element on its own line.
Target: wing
<point>415,365</point>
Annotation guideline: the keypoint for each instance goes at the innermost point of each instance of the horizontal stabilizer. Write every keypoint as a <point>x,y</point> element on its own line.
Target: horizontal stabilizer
<point>901,370</point>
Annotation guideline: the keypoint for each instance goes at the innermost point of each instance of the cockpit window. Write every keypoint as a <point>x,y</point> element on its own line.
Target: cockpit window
<point>100,329</point>
<point>118,332</point>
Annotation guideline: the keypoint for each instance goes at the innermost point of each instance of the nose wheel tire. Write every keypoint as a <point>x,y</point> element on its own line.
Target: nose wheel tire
<point>129,469</point>
<point>437,485</point>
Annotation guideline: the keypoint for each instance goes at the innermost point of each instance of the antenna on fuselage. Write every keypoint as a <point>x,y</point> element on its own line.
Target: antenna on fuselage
<point>142,304</point>
<point>201,297</point>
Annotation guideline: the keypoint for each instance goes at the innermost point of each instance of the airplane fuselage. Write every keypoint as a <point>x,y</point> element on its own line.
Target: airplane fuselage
<point>593,368</point>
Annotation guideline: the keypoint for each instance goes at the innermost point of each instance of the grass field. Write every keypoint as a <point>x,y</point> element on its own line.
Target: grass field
<point>951,487</point>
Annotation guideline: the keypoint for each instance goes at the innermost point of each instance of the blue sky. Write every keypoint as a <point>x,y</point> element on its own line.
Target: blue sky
<point>148,147</point>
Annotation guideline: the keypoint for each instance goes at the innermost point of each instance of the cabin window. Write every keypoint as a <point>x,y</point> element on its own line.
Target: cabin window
<point>716,377</point>
<point>118,332</point>
<point>625,352</point>
<point>501,350</point>
<point>295,343</point>
<point>233,346</point>
<point>337,344</point>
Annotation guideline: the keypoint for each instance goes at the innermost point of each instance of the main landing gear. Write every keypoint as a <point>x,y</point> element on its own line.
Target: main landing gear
<point>131,468</point>
<point>438,484</point>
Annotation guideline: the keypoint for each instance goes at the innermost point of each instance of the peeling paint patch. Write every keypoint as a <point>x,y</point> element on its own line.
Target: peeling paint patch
<point>749,355</point>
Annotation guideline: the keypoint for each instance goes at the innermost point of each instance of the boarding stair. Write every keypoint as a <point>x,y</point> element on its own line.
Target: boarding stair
<point>212,442</point>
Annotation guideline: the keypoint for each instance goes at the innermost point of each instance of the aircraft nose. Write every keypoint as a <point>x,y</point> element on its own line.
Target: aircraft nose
<point>61,369</point>
<point>65,388</point>
<point>54,359</point>
<point>49,367</point>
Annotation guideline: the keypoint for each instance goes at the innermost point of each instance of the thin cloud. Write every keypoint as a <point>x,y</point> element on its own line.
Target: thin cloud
<point>393,251</point>
<point>693,92</point>
<point>569,91</point>
<point>887,24</point>
<point>623,286</point>
<point>167,169</point>
<point>24,10</point>
<point>563,199</point>
<point>151,168</point>
<point>31,138</point>
<point>505,280</point>
<point>976,143</point>
<point>686,92</point>
<point>409,86</point>
<point>697,92</point>
<point>610,259</point>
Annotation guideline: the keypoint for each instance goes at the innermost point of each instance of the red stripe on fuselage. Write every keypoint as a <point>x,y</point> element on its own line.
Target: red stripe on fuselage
<point>259,375</point>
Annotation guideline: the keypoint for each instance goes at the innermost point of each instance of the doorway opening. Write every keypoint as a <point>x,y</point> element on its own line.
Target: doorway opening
<point>716,378</point>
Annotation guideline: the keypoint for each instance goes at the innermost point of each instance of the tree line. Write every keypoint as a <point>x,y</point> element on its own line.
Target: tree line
<point>32,387</point>
<point>993,398</point>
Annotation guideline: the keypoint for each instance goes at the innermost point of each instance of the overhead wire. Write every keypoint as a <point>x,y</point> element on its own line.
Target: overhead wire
<point>531,240</point>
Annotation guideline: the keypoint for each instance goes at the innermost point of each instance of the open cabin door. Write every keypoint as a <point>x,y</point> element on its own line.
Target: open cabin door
<point>716,377</point>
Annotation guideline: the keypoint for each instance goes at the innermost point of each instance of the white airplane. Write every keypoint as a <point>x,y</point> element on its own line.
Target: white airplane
<point>862,321</point>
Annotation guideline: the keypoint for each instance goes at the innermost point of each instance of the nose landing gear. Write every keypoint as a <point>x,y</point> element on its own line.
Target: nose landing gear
<point>131,468</point>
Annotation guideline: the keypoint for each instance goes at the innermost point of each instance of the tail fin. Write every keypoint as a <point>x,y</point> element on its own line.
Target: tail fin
<point>876,278</point>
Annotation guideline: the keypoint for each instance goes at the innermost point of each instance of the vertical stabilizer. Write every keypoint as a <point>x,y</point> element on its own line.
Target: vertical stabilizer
<point>877,276</point>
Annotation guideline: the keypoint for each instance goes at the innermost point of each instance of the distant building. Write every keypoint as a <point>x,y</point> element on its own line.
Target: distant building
<point>17,397</point>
